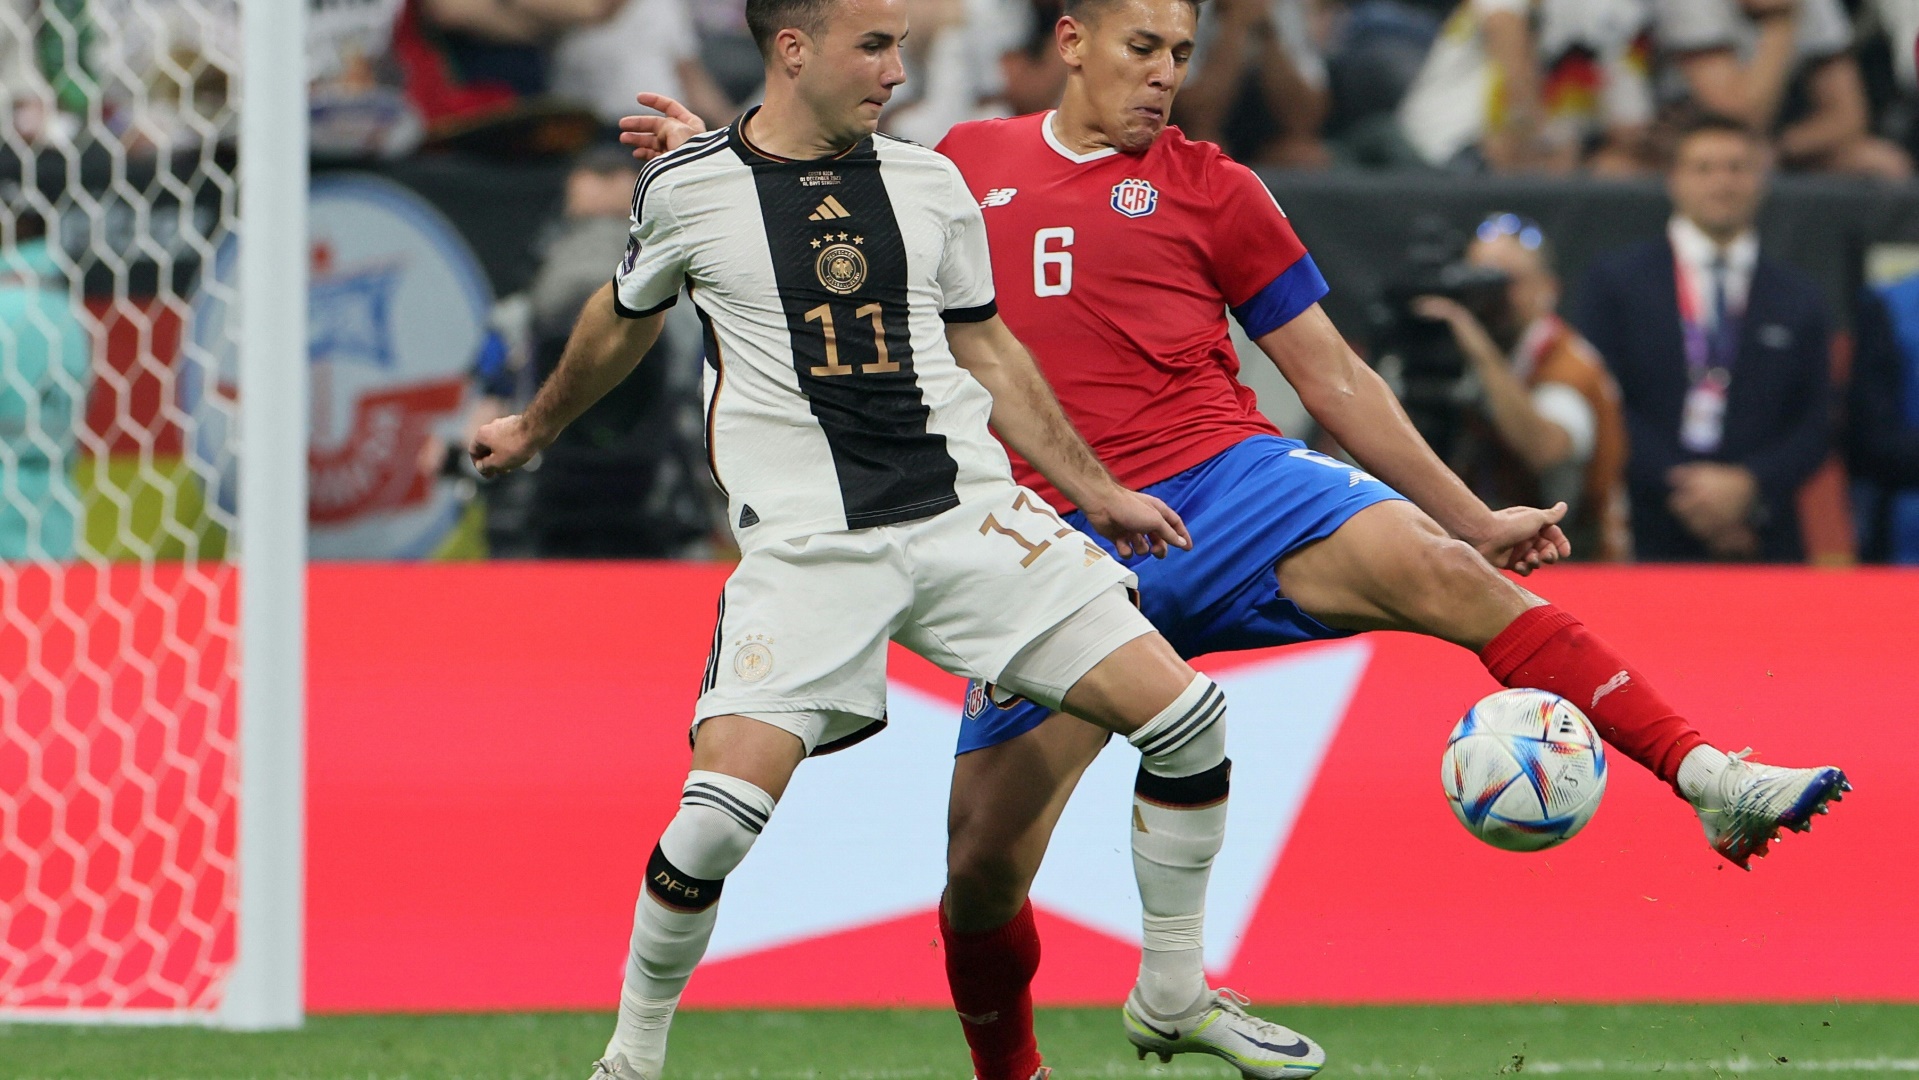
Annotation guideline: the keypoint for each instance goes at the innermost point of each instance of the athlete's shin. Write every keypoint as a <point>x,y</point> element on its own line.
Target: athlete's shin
<point>1179,823</point>
<point>1548,649</point>
<point>990,974</point>
<point>719,818</point>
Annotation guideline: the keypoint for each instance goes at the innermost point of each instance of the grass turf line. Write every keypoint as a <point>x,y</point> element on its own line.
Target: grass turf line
<point>1715,1042</point>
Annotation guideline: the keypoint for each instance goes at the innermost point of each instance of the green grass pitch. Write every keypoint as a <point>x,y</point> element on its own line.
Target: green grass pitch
<point>1706,1042</point>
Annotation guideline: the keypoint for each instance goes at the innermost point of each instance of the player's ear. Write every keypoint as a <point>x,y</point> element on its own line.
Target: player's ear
<point>790,49</point>
<point>1072,36</point>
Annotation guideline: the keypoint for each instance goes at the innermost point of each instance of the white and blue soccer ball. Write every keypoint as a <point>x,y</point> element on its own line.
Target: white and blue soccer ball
<point>1524,770</point>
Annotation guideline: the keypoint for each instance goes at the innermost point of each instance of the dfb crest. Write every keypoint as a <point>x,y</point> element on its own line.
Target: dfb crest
<point>1135,198</point>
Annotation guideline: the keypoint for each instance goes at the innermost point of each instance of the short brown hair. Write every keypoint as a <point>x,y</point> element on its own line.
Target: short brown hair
<point>1702,123</point>
<point>766,18</point>
<point>1084,9</point>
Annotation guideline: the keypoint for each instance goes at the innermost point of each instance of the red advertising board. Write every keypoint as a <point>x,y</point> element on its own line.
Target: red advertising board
<point>494,749</point>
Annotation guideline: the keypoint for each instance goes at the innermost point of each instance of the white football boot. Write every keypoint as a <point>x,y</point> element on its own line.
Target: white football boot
<point>1744,807</point>
<point>1259,1049</point>
<point>614,1067</point>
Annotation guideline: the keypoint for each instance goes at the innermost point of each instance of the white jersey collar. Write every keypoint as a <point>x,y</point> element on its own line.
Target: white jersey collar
<point>1052,140</point>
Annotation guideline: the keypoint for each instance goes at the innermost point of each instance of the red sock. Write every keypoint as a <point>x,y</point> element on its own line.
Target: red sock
<point>1549,649</point>
<point>991,977</point>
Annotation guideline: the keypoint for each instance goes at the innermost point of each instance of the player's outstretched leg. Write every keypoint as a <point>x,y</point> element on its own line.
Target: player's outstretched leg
<point>1179,824</point>
<point>739,768</point>
<point>1392,567</point>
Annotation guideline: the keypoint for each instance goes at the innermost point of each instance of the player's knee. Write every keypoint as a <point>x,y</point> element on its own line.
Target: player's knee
<point>1188,737</point>
<point>720,816</point>
<point>985,885</point>
<point>1450,579</point>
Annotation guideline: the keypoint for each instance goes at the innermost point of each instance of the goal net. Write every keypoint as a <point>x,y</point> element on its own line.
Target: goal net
<point>121,761</point>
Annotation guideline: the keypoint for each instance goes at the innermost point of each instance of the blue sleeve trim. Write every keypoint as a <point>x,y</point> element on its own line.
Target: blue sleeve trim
<point>1282,300</point>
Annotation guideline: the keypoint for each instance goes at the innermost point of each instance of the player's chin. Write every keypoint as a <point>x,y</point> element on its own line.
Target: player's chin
<point>1141,131</point>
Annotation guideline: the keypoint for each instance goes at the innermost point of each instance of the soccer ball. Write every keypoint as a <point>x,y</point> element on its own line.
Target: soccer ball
<point>1524,770</point>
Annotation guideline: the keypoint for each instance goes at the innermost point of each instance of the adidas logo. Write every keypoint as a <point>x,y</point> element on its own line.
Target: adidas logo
<point>829,210</point>
<point>748,518</point>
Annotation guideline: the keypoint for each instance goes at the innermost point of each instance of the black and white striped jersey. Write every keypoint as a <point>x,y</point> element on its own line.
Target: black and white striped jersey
<point>825,288</point>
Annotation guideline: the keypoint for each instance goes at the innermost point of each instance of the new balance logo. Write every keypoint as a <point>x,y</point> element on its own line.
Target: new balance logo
<point>830,210</point>
<point>999,196</point>
<point>1611,684</point>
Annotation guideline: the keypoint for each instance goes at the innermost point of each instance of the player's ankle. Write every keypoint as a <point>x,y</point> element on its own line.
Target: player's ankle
<point>1701,766</point>
<point>1171,985</point>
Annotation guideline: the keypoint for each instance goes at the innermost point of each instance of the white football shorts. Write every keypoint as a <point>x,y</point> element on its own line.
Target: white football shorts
<point>804,623</point>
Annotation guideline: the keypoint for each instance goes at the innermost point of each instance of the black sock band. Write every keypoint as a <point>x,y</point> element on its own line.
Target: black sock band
<point>1186,792</point>
<point>677,889</point>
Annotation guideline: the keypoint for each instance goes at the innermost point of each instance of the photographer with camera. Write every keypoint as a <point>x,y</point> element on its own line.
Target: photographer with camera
<point>1548,427</point>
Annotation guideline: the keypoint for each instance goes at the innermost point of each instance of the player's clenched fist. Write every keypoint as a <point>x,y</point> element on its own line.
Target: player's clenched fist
<point>502,446</point>
<point>1137,523</point>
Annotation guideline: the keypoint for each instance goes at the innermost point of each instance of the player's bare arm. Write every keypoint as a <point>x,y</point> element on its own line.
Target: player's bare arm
<point>1357,408</point>
<point>604,349</point>
<point>1028,418</point>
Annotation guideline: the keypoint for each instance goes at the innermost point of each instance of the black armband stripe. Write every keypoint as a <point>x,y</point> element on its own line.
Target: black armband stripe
<point>625,312</point>
<point>677,889</point>
<point>971,314</point>
<point>1186,792</point>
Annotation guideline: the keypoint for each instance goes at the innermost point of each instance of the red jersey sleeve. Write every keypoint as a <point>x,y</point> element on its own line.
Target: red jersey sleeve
<point>1259,264</point>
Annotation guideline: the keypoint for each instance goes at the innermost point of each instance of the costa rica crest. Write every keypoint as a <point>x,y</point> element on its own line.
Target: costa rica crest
<point>1135,198</point>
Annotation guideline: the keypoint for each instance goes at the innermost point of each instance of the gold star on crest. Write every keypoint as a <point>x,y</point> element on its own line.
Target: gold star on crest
<point>859,239</point>
<point>816,245</point>
<point>842,236</point>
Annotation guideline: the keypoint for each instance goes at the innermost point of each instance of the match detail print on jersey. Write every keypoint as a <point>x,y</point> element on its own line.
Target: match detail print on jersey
<point>840,265</point>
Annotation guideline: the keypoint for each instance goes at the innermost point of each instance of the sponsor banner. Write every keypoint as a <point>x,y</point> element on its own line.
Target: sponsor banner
<point>494,749</point>
<point>397,313</point>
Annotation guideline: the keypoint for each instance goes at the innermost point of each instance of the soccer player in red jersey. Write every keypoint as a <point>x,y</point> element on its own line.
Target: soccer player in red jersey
<point>1118,248</point>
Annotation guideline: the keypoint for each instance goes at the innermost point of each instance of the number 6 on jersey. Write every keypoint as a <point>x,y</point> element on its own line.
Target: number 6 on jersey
<point>1052,269</point>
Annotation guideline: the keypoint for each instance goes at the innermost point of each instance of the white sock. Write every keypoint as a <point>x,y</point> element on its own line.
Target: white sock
<point>1179,823</point>
<point>639,1036</point>
<point>719,818</point>
<point>1701,764</point>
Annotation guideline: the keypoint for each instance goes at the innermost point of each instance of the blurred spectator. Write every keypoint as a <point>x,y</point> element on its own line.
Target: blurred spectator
<point>956,63</point>
<point>646,45</point>
<point>1784,67</point>
<point>727,49</point>
<point>356,91</point>
<point>161,70</point>
<point>1258,83</point>
<point>35,107</point>
<point>45,361</point>
<point>627,479</point>
<point>1552,429</point>
<point>1534,84</point>
<point>1882,421</point>
<point>1722,362</point>
<point>479,71</point>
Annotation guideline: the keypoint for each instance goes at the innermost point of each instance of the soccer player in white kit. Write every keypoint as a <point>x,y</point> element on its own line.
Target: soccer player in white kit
<point>855,358</point>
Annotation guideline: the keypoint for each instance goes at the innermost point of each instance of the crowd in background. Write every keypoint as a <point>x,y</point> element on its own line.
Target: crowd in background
<point>1464,85</point>
<point>1701,454</point>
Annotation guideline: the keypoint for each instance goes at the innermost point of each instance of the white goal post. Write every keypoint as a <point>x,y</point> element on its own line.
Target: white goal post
<point>153,510</point>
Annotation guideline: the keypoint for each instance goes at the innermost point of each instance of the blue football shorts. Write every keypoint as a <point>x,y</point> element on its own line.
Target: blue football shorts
<point>1247,508</point>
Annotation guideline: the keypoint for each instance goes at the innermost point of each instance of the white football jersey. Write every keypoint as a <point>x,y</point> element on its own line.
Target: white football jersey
<point>825,287</point>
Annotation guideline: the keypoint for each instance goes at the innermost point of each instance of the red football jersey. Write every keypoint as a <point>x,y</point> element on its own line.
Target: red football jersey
<point>1116,270</point>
